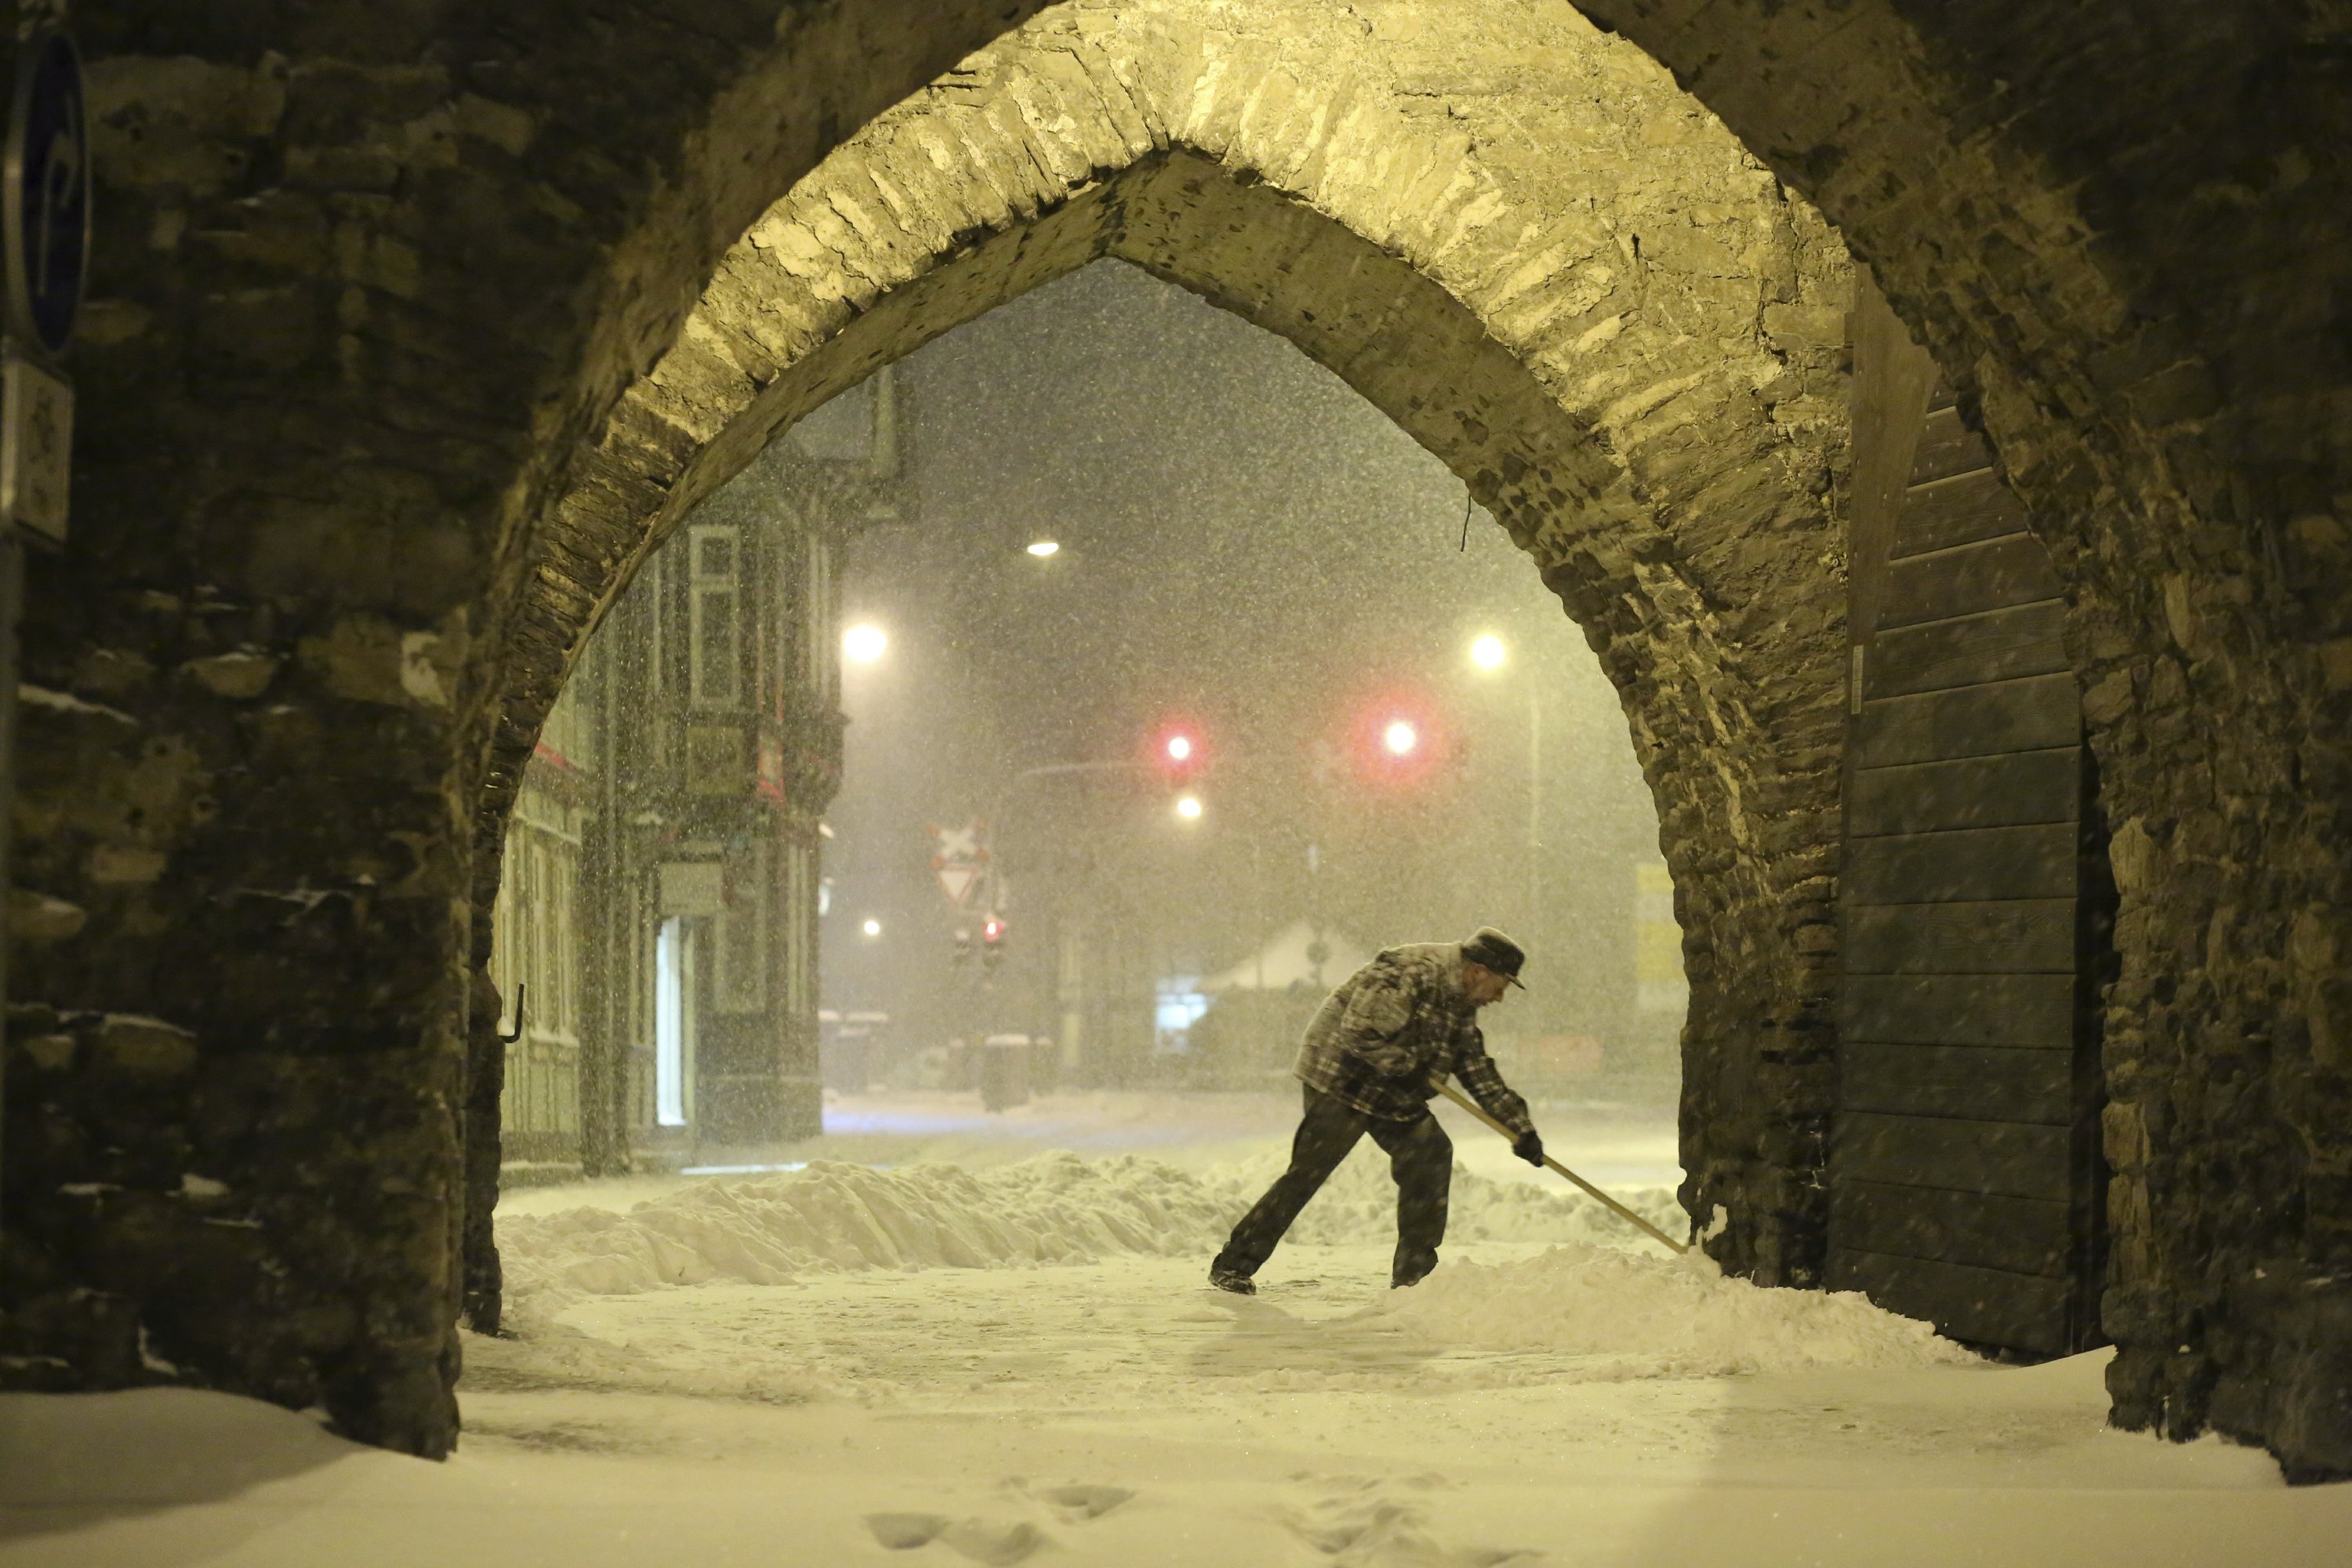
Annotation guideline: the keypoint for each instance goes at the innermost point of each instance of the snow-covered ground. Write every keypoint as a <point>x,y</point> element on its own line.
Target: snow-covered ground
<point>1016,1358</point>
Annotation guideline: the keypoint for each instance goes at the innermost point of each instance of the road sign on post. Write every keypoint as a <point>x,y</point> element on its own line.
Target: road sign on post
<point>960,860</point>
<point>46,199</point>
<point>44,211</point>
<point>36,447</point>
<point>44,238</point>
<point>956,881</point>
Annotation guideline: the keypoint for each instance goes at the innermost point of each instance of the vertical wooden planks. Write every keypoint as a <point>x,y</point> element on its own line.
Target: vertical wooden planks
<point>1960,1187</point>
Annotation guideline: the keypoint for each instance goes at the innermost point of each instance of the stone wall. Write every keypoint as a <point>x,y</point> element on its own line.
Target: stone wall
<point>2123,236</point>
<point>363,277</point>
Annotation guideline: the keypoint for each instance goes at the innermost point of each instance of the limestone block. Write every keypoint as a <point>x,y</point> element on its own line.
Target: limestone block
<point>242,675</point>
<point>121,865</point>
<point>1795,327</point>
<point>50,1053</point>
<point>38,918</point>
<point>142,1049</point>
<point>2124,1136</point>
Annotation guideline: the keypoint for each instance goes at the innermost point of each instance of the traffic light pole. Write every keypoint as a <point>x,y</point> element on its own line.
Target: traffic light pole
<point>1535,812</point>
<point>1045,997</point>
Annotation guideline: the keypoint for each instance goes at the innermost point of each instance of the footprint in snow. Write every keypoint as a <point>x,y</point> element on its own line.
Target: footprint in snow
<point>995,1542</point>
<point>1077,1504</point>
<point>906,1531</point>
<point>1361,1527</point>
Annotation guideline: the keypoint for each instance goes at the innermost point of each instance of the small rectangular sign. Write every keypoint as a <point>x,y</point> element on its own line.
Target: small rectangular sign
<point>692,888</point>
<point>36,447</point>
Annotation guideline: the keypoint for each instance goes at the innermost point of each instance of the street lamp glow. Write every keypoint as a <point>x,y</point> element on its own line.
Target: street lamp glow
<point>864,643</point>
<point>1487,652</point>
<point>1042,548</point>
<point>1400,738</point>
<point>1188,808</point>
<point>872,926</point>
<point>1179,748</point>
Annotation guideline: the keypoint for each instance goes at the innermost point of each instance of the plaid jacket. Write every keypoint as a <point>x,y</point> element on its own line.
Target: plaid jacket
<point>1397,1027</point>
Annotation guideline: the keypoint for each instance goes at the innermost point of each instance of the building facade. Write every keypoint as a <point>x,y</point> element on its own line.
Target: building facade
<point>656,942</point>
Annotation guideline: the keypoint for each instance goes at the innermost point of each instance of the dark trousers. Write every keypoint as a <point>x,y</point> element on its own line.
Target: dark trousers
<point>1420,1157</point>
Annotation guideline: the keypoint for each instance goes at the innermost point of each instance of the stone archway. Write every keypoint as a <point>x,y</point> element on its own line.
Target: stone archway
<point>368,282</point>
<point>1631,358</point>
<point>2180,461</point>
<point>2181,469</point>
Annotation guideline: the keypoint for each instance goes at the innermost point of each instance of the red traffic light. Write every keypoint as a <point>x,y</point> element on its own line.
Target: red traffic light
<point>1400,738</point>
<point>1179,750</point>
<point>992,930</point>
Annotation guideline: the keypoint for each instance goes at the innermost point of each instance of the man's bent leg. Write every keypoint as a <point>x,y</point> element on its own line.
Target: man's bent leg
<point>1326,1132</point>
<point>1420,1157</point>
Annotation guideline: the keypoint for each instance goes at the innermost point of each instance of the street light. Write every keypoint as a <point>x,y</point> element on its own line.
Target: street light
<point>1179,748</point>
<point>872,927</point>
<point>1400,738</point>
<point>865,643</point>
<point>1042,548</point>
<point>1188,808</point>
<point>1487,652</point>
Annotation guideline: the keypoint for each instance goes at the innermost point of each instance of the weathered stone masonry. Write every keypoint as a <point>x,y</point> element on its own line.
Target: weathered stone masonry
<point>364,278</point>
<point>2122,233</point>
<point>372,280</point>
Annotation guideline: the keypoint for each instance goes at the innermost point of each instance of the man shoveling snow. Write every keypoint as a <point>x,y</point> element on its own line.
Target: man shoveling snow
<point>1372,1057</point>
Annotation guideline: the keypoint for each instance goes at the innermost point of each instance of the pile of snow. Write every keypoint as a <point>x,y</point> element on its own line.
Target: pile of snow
<point>1624,1315</point>
<point>762,1230</point>
<point>1053,1208</point>
<point>1620,1310</point>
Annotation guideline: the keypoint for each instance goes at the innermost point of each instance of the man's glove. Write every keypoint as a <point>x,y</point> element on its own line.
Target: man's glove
<point>1529,1147</point>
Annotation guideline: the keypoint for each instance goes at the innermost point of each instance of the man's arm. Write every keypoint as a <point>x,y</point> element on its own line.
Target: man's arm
<point>1479,1074</point>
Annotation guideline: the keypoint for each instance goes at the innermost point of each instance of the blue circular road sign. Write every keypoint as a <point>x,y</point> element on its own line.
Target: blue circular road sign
<point>47,195</point>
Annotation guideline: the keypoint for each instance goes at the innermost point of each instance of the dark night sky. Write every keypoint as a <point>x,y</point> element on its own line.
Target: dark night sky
<point>1247,544</point>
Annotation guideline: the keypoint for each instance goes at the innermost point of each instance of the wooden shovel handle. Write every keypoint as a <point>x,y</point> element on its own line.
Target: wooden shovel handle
<point>1475,1108</point>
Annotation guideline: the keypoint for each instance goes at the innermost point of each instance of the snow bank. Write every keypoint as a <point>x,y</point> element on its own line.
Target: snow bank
<point>762,1230</point>
<point>1591,1312</point>
<point>1625,1315</point>
<point>1053,1208</point>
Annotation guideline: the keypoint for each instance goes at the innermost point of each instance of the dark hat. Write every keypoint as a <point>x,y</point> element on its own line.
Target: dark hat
<point>1490,949</point>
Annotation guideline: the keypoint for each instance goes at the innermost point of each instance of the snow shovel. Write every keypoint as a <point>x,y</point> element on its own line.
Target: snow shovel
<point>1473,1107</point>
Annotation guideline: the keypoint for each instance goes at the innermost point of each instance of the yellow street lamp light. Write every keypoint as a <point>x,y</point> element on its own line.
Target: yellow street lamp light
<point>865,643</point>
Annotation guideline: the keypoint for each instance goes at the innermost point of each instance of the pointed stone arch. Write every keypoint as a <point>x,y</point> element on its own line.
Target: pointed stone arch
<point>1630,354</point>
<point>369,281</point>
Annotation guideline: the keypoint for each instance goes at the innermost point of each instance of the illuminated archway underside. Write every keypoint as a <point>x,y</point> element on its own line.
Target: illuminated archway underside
<point>1561,276</point>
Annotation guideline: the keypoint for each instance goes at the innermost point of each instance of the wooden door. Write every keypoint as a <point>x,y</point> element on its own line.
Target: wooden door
<point>1965,1184</point>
